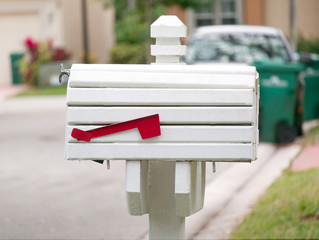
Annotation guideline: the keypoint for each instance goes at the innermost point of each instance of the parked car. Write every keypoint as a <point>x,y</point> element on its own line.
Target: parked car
<point>281,84</point>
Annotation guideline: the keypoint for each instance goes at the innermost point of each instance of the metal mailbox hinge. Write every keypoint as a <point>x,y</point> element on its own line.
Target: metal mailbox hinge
<point>63,71</point>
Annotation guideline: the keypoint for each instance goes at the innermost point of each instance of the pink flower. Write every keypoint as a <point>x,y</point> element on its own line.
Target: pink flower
<point>59,54</point>
<point>30,43</point>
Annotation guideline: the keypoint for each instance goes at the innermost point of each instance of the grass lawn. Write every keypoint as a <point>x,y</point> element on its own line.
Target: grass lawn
<point>288,210</point>
<point>312,136</point>
<point>290,207</point>
<point>59,90</point>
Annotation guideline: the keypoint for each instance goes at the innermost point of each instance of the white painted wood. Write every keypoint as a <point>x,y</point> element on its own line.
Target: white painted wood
<point>166,50</point>
<point>176,134</point>
<point>168,26</point>
<point>133,176</point>
<point>168,151</point>
<point>67,136</point>
<point>157,68</point>
<point>168,41</point>
<point>162,59</point>
<point>189,187</point>
<point>199,186</point>
<point>129,96</point>
<point>183,177</point>
<point>164,79</point>
<point>164,223</point>
<point>168,115</point>
<point>137,187</point>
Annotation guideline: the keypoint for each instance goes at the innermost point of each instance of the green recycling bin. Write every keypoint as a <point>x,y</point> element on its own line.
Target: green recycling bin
<point>311,76</point>
<point>281,97</point>
<point>311,101</point>
<point>15,58</point>
<point>311,62</point>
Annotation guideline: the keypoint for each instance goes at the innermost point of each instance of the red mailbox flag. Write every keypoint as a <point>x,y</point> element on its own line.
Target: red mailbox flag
<point>148,127</point>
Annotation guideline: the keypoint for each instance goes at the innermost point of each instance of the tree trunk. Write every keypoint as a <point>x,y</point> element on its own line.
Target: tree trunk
<point>148,20</point>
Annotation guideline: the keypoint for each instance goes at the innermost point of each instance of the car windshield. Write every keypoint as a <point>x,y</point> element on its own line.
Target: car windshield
<point>236,48</point>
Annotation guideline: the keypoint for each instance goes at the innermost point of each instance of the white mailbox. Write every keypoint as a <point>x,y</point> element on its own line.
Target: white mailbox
<point>206,113</point>
<point>166,119</point>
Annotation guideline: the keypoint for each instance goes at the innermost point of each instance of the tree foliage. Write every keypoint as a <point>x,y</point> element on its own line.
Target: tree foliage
<point>133,19</point>
<point>132,23</point>
<point>183,3</point>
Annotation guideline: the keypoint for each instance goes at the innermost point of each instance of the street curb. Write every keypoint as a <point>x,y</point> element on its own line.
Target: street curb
<point>230,216</point>
<point>8,91</point>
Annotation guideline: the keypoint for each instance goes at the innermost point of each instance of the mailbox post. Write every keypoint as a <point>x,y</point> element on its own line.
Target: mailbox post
<point>166,120</point>
<point>176,187</point>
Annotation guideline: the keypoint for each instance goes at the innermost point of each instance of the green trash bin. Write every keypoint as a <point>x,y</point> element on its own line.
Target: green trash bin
<point>311,76</point>
<point>281,97</point>
<point>311,62</point>
<point>16,76</point>
<point>311,101</point>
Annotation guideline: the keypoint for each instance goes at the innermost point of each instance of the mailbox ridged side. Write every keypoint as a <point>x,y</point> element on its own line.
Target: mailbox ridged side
<point>206,113</point>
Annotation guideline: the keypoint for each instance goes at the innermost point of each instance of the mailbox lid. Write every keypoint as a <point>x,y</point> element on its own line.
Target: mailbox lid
<point>170,68</point>
<point>162,76</point>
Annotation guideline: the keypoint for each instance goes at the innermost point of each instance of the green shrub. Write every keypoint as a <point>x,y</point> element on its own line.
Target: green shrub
<point>124,53</point>
<point>131,29</point>
<point>308,45</point>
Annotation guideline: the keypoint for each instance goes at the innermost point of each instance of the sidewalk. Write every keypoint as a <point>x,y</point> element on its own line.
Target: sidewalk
<point>11,90</point>
<point>309,156</point>
<point>307,159</point>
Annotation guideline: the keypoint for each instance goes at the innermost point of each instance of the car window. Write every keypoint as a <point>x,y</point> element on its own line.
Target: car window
<point>237,48</point>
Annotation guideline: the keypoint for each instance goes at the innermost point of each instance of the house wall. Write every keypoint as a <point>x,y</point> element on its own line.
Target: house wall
<point>253,12</point>
<point>101,36</point>
<point>72,27</point>
<point>306,16</point>
<point>100,29</point>
<point>277,14</point>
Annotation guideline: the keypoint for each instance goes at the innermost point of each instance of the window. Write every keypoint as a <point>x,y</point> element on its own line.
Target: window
<point>216,12</point>
<point>205,16</point>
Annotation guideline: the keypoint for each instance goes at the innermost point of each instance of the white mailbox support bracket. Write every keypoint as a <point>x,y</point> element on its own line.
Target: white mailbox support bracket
<point>206,113</point>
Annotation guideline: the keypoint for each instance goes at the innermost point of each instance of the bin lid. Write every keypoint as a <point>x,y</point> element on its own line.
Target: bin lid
<point>277,66</point>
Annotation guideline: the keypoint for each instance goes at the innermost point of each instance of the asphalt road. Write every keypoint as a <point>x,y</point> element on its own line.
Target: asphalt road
<point>43,196</point>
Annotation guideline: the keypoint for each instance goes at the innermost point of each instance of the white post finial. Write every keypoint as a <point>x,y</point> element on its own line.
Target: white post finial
<point>168,30</point>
